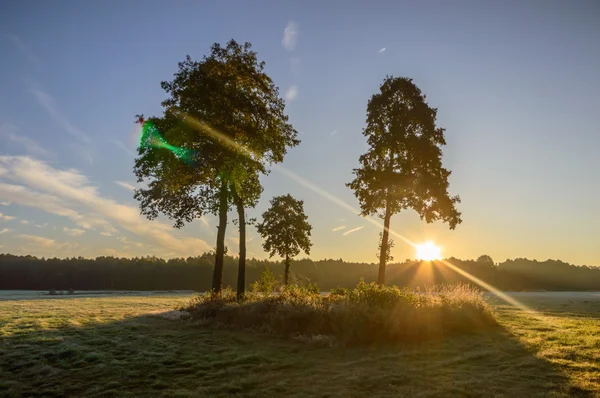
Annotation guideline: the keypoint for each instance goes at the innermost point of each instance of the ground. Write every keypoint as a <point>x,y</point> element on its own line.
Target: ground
<point>119,346</point>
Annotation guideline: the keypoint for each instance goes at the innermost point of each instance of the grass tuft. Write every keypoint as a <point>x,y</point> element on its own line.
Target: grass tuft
<point>366,314</point>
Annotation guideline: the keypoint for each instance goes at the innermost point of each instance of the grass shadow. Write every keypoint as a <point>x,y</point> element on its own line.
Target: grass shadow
<point>150,356</point>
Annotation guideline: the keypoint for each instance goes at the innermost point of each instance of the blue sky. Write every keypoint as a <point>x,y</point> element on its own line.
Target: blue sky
<point>516,84</point>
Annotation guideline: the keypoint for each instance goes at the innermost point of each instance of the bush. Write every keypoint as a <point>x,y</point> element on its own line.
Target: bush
<point>368,313</point>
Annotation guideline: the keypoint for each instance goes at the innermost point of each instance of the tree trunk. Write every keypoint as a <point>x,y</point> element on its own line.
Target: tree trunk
<point>219,258</point>
<point>241,282</point>
<point>287,269</point>
<point>384,245</point>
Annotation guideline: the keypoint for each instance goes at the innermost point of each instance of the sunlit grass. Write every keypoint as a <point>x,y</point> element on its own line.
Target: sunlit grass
<point>111,347</point>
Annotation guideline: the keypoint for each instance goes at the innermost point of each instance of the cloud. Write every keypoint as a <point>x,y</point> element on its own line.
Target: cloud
<point>105,234</point>
<point>4,203</point>
<point>5,230</point>
<point>37,240</point>
<point>73,231</point>
<point>338,228</point>
<point>63,188</point>
<point>290,36</point>
<point>49,103</point>
<point>24,222</point>
<point>352,230</point>
<point>9,131</point>
<point>291,93</point>
<point>382,50</point>
<point>125,185</point>
<point>124,147</point>
<point>334,132</point>
<point>24,49</point>
<point>6,218</point>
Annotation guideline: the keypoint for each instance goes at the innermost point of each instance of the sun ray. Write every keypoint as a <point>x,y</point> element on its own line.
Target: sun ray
<point>228,142</point>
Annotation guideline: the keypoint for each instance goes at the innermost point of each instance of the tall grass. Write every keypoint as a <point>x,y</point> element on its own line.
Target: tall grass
<point>368,313</point>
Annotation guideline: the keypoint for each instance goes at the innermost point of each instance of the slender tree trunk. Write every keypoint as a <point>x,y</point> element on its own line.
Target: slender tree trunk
<point>384,245</point>
<point>219,258</point>
<point>241,282</point>
<point>287,269</point>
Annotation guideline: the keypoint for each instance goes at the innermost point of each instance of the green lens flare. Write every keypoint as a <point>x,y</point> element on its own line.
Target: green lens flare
<point>151,138</point>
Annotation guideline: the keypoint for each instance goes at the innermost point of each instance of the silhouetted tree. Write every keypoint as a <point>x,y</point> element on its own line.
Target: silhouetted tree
<point>485,260</point>
<point>285,229</point>
<point>403,167</point>
<point>229,112</point>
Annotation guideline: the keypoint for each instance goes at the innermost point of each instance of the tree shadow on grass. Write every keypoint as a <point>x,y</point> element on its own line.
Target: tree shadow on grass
<point>150,356</point>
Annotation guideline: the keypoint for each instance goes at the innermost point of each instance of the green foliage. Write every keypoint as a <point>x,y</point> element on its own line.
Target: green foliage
<point>285,228</point>
<point>365,314</point>
<point>226,111</point>
<point>266,284</point>
<point>403,167</point>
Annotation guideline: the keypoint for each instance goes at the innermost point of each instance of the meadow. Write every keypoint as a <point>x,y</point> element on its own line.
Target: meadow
<point>123,346</point>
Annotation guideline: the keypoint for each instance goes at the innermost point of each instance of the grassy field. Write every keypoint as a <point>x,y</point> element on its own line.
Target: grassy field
<point>119,346</point>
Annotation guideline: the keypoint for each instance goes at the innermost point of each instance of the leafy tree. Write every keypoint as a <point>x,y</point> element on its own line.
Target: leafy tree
<point>285,229</point>
<point>403,167</point>
<point>226,109</point>
<point>485,260</point>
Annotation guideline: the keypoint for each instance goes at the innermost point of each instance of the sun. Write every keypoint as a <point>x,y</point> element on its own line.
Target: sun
<point>428,252</point>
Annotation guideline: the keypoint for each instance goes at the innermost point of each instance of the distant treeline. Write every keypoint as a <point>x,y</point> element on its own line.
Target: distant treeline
<point>195,273</point>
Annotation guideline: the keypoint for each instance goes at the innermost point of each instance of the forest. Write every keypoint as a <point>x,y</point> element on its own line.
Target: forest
<point>195,273</point>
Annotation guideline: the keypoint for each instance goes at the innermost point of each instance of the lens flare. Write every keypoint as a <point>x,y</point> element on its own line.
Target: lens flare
<point>150,138</point>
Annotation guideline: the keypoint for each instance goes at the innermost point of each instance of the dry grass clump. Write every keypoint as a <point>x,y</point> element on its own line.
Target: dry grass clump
<point>366,314</point>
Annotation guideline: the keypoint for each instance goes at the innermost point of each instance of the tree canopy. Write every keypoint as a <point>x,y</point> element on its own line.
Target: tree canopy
<point>228,111</point>
<point>285,229</point>
<point>403,167</point>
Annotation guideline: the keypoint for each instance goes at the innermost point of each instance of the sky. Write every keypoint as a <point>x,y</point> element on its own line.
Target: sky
<point>515,83</point>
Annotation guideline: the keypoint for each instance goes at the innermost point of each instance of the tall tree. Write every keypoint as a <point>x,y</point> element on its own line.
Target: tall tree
<point>403,167</point>
<point>228,110</point>
<point>285,229</point>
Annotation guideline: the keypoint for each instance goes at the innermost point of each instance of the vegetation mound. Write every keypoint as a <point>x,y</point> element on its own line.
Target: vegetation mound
<point>366,314</point>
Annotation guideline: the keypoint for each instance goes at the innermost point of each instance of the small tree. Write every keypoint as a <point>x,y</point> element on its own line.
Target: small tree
<point>403,167</point>
<point>485,260</point>
<point>285,229</point>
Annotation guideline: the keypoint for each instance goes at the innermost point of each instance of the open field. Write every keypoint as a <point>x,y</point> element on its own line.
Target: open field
<point>115,346</point>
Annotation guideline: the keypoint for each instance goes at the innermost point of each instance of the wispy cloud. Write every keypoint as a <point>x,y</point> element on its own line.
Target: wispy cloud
<point>25,222</point>
<point>382,50</point>
<point>9,131</point>
<point>334,132</point>
<point>4,203</point>
<point>6,218</point>
<point>60,188</point>
<point>24,49</point>
<point>125,185</point>
<point>5,230</point>
<point>124,147</point>
<point>352,230</point>
<point>291,93</point>
<point>49,103</point>
<point>105,233</point>
<point>73,231</point>
<point>37,240</point>
<point>338,228</point>
<point>290,36</point>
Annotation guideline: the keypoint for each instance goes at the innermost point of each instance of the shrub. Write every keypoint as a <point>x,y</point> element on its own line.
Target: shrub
<point>368,313</point>
<point>266,284</point>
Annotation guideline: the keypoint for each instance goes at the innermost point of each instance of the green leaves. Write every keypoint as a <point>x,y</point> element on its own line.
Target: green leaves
<point>228,91</point>
<point>285,228</point>
<point>403,167</point>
